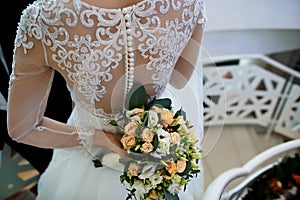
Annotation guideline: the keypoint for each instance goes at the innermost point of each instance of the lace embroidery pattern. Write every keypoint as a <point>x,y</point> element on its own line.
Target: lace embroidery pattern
<point>86,136</point>
<point>117,34</point>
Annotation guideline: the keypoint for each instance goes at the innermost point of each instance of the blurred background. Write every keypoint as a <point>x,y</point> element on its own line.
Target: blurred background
<point>251,66</point>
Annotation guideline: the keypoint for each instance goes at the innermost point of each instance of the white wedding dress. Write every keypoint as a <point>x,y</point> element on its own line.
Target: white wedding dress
<point>101,53</point>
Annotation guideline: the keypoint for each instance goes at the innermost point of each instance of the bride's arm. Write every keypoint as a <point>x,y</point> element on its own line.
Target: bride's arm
<point>30,85</point>
<point>187,61</point>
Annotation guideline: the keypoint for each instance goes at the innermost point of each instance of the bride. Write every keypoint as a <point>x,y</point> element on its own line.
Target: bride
<point>101,48</point>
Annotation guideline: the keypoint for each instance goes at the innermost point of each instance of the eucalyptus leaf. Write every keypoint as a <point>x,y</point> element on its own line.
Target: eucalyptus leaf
<point>145,121</point>
<point>170,196</point>
<point>125,160</point>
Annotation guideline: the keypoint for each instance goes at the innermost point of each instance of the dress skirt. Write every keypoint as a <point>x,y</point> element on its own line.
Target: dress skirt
<point>71,174</point>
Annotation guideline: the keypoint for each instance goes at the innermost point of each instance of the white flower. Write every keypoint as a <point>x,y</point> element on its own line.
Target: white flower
<point>141,187</point>
<point>163,146</point>
<point>136,118</point>
<point>155,179</point>
<point>162,133</point>
<point>152,118</point>
<point>147,171</point>
<point>175,138</point>
<point>174,188</point>
<point>134,111</point>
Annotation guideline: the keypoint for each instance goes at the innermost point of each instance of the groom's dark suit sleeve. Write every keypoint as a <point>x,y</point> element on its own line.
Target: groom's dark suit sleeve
<point>59,105</point>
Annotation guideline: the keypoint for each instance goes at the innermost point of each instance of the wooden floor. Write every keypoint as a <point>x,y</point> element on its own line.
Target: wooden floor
<point>235,146</point>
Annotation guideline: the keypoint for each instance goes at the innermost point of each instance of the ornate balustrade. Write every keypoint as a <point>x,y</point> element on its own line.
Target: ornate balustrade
<point>256,90</point>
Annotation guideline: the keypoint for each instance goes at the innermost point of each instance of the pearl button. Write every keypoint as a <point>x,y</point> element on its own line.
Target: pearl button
<point>128,24</point>
<point>130,49</point>
<point>127,16</point>
<point>129,31</point>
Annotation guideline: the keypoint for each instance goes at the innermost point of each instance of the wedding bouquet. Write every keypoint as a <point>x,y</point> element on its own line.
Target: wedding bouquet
<point>161,144</point>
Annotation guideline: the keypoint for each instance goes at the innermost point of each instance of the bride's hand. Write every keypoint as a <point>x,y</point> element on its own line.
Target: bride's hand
<point>111,142</point>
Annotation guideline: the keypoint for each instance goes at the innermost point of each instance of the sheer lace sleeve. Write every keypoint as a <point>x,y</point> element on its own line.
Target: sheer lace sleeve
<point>30,84</point>
<point>189,58</point>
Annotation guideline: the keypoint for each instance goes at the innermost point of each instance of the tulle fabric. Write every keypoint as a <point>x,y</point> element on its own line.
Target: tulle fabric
<point>72,175</point>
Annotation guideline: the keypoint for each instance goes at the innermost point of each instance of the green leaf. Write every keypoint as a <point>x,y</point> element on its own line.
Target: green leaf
<point>145,122</point>
<point>170,196</point>
<point>155,142</point>
<point>165,102</point>
<point>180,112</point>
<point>97,163</point>
<point>136,97</point>
<point>113,122</point>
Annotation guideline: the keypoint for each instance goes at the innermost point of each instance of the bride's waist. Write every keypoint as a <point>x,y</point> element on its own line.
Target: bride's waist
<point>82,117</point>
<point>66,153</point>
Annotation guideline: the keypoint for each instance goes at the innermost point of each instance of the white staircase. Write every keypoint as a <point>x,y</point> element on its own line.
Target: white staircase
<point>251,101</point>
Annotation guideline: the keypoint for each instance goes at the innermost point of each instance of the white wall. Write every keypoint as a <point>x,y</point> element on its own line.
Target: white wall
<point>251,26</point>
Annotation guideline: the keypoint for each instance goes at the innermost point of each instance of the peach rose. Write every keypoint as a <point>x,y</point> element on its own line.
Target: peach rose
<point>157,109</point>
<point>181,165</point>
<point>152,197</point>
<point>133,169</point>
<point>175,138</point>
<point>128,141</point>
<point>135,111</point>
<point>147,147</point>
<point>172,169</point>
<point>147,135</point>
<point>130,129</point>
<point>167,115</point>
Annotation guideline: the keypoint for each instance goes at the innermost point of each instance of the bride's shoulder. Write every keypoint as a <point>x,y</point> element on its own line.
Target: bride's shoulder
<point>36,6</point>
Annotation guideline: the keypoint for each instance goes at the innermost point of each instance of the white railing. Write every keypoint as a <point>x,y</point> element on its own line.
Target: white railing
<point>257,90</point>
<point>217,188</point>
